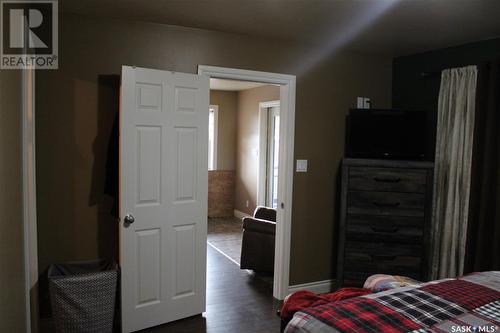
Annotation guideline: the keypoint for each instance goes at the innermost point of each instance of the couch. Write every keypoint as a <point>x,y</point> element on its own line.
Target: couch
<point>257,249</point>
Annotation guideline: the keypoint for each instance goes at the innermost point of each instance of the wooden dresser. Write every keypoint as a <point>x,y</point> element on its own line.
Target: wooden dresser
<point>385,218</point>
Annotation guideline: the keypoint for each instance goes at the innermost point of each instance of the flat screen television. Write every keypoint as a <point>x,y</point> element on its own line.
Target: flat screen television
<point>390,134</point>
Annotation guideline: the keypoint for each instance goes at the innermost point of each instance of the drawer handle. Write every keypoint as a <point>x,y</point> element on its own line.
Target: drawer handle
<point>389,229</point>
<point>386,204</point>
<point>380,257</point>
<point>387,180</point>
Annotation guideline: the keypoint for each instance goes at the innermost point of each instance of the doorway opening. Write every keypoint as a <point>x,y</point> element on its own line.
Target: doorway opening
<point>269,149</point>
<point>242,136</point>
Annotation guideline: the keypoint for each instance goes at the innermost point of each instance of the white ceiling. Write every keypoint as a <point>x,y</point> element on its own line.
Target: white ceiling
<point>394,27</point>
<point>233,85</point>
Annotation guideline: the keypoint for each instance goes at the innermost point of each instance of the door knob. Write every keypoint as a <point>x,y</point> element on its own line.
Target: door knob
<point>129,219</point>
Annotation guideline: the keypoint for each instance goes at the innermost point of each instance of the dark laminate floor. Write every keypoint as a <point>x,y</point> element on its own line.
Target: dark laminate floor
<point>236,302</point>
<point>225,233</point>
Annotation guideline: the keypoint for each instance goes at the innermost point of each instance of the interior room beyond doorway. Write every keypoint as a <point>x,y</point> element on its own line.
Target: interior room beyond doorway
<point>243,160</point>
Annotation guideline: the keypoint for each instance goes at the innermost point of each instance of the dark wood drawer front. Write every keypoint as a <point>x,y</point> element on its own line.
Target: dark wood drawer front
<point>394,265</point>
<point>394,229</point>
<point>358,269</point>
<point>383,250</point>
<point>387,179</point>
<point>386,203</point>
<point>359,266</point>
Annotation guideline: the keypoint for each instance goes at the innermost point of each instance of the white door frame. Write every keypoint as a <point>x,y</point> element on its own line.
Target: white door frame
<point>286,155</point>
<point>216,133</point>
<point>263,115</point>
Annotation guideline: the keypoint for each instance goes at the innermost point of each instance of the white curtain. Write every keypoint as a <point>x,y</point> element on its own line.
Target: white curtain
<point>455,128</point>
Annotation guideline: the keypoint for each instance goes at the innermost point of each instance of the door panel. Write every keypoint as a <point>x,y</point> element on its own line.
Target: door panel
<point>149,96</point>
<point>185,151</point>
<point>148,164</point>
<point>185,260</point>
<point>163,185</point>
<point>185,99</point>
<point>149,264</point>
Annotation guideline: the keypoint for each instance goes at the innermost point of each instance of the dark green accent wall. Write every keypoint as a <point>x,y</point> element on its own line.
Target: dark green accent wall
<point>411,90</point>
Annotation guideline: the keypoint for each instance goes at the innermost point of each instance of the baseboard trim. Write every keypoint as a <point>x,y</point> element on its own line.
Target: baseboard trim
<point>318,287</point>
<point>239,214</point>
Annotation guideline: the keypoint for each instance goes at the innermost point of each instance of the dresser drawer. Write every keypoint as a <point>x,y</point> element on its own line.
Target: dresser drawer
<point>360,264</point>
<point>385,203</point>
<point>359,268</point>
<point>394,265</point>
<point>381,250</point>
<point>387,179</point>
<point>395,229</point>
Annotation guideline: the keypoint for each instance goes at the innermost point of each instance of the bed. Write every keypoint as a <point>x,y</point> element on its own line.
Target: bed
<point>469,303</point>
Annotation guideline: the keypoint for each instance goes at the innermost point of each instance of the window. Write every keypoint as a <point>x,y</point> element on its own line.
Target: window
<point>212,136</point>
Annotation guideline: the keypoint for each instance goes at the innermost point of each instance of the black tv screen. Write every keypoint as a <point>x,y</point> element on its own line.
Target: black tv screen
<point>391,134</point>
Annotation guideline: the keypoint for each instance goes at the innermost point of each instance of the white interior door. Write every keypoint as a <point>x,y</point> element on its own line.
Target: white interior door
<point>163,189</point>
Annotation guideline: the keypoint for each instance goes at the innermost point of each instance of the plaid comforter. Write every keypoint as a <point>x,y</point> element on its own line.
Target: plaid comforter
<point>467,304</point>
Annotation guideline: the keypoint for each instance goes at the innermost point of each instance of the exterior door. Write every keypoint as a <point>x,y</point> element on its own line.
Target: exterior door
<point>163,196</point>
<point>273,137</point>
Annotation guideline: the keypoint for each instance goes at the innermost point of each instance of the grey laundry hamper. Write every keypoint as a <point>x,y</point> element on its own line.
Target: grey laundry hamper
<point>83,296</point>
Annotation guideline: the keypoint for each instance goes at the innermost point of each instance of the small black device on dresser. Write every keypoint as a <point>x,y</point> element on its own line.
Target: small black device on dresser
<point>385,219</point>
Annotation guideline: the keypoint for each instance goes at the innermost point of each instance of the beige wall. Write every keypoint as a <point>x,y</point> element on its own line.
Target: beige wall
<point>12,294</point>
<point>238,141</point>
<point>75,109</point>
<point>226,140</point>
<point>247,159</point>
